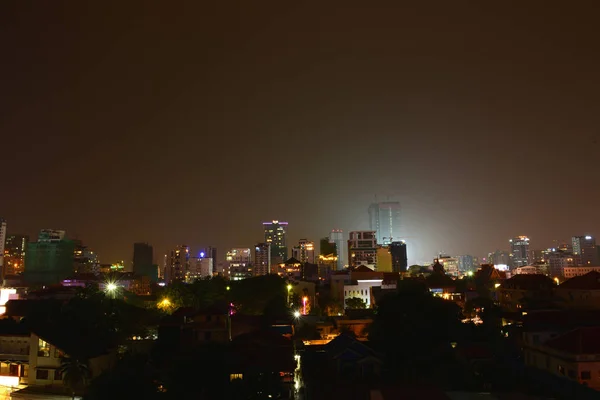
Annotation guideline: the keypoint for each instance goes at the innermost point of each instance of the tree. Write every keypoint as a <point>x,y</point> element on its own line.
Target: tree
<point>134,377</point>
<point>75,374</point>
<point>356,303</point>
<point>415,331</point>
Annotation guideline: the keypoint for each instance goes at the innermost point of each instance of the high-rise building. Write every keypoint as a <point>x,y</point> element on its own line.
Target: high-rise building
<point>399,258</point>
<point>85,261</point>
<point>211,252</point>
<point>143,261</point>
<point>519,251</point>
<point>2,242</point>
<point>384,259</point>
<point>450,264</point>
<point>199,268</point>
<point>14,254</point>
<point>262,259</point>
<point>239,263</point>
<point>337,238</point>
<point>499,257</point>
<point>275,234</point>
<point>49,260</point>
<point>466,263</point>
<point>384,218</point>
<point>304,252</point>
<point>585,248</point>
<point>362,249</point>
<point>177,264</point>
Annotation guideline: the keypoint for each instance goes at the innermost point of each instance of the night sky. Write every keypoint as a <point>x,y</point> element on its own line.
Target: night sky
<point>194,122</point>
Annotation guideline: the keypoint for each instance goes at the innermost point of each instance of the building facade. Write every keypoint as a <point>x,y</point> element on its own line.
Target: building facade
<point>585,248</point>
<point>384,219</point>
<point>2,242</point>
<point>336,237</point>
<point>143,261</point>
<point>239,263</point>
<point>177,264</point>
<point>49,260</point>
<point>275,235</point>
<point>14,254</point>
<point>304,251</point>
<point>519,251</point>
<point>399,258</point>
<point>262,259</point>
<point>199,268</point>
<point>362,249</point>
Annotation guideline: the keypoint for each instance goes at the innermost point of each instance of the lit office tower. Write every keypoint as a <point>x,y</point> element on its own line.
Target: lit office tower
<point>304,252</point>
<point>466,263</point>
<point>384,218</point>
<point>362,249</point>
<point>337,237</point>
<point>519,251</point>
<point>177,264</point>
<point>262,259</point>
<point>14,254</point>
<point>143,261</point>
<point>238,263</point>
<point>275,234</point>
<point>2,241</point>
<point>399,259</point>
<point>585,248</point>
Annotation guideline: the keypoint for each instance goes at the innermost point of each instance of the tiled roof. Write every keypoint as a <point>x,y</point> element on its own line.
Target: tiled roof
<point>589,281</point>
<point>528,282</point>
<point>578,341</point>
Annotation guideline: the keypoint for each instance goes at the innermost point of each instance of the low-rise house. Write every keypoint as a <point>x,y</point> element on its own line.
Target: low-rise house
<point>574,355</point>
<point>14,354</point>
<point>351,359</point>
<point>189,327</point>
<point>581,292</point>
<point>520,291</point>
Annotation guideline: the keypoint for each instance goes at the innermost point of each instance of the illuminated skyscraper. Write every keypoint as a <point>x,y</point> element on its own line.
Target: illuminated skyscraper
<point>519,251</point>
<point>177,264</point>
<point>362,249</point>
<point>262,259</point>
<point>304,252</point>
<point>337,237</point>
<point>384,218</point>
<point>238,262</point>
<point>584,247</point>
<point>14,254</point>
<point>275,234</point>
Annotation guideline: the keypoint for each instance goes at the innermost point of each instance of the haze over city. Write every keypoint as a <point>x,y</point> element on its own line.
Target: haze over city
<point>194,123</point>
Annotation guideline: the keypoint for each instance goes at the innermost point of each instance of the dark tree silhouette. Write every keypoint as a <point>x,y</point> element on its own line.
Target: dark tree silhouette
<point>356,303</point>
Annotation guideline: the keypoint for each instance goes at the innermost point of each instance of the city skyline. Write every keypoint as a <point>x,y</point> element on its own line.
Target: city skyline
<point>433,110</point>
<point>201,247</point>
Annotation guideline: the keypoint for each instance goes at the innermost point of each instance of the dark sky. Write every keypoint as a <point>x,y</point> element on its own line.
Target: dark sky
<point>193,122</point>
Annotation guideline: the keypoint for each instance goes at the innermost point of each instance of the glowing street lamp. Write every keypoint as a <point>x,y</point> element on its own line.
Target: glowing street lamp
<point>297,314</point>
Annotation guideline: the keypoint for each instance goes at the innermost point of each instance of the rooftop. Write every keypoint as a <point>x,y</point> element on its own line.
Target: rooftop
<point>528,282</point>
<point>577,342</point>
<point>589,281</point>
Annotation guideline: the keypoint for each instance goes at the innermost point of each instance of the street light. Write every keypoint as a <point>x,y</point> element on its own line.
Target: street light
<point>297,314</point>
<point>111,287</point>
